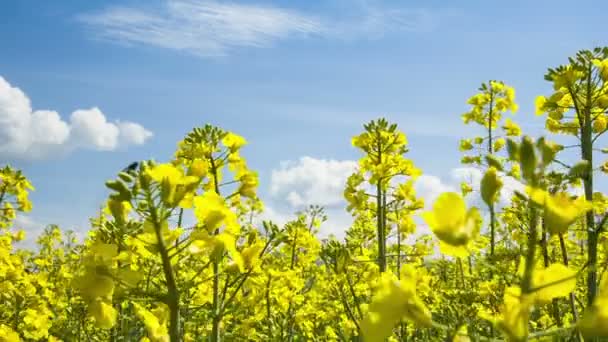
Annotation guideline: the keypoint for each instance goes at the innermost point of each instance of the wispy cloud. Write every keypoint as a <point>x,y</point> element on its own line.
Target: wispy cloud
<point>204,28</point>
<point>208,28</point>
<point>373,22</point>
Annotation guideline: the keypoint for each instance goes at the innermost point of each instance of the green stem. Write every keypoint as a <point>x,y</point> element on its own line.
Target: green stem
<point>215,328</point>
<point>526,283</point>
<point>172,291</point>
<point>490,151</point>
<point>562,245</point>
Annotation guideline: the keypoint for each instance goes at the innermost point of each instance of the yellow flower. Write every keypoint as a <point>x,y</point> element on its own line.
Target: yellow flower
<point>491,184</point>
<point>560,210</point>
<point>450,220</point>
<point>599,125</point>
<point>499,144</point>
<point>8,335</point>
<point>233,142</point>
<point>393,301</point>
<point>539,104</point>
<point>461,335</point>
<point>250,255</point>
<point>465,188</point>
<point>164,171</point>
<point>249,183</point>
<point>515,314</point>
<point>557,280</point>
<point>217,245</point>
<point>603,68</point>
<point>174,184</point>
<point>199,168</point>
<point>455,251</point>
<point>511,128</point>
<point>119,209</point>
<point>211,211</point>
<point>19,235</point>
<point>95,286</point>
<point>155,325</point>
<point>103,313</point>
<point>466,145</point>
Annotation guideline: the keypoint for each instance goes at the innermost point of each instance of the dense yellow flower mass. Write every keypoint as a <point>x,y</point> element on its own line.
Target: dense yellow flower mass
<point>179,251</point>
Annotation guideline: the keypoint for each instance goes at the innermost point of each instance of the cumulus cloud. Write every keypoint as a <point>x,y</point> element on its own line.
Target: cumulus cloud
<point>294,185</point>
<point>311,181</point>
<point>429,187</point>
<point>213,28</point>
<point>36,134</point>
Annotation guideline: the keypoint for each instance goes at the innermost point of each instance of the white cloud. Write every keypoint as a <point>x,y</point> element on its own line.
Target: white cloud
<point>311,181</point>
<point>429,187</point>
<point>35,134</point>
<point>211,28</point>
<point>92,129</point>
<point>131,133</point>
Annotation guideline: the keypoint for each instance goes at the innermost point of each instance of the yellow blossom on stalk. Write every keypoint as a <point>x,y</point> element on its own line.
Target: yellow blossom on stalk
<point>465,188</point>
<point>393,300</point>
<point>559,210</point>
<point>216,245</point>
<point>19,235</point>
<point>602,65</point>
<point>450,220</point>
<point>36,323</point>
<point>199,167</point>
<point>461,335</point>
<point>165,171</point>
<point>248,185</point>
<point>491,184</point>
<point>250,254</point>
<point>511,128</point>
<point>233,142</point>
<point>155,322</point>
<point>459,251</point>
<point>175,185</point>
<point>539,104</point>
<point>557,280</point>
<point>599,124</point>
<point>119,209</point>
<point>8,335</point>
<point>499,144</point>
<point>103,313</point>
<point>405,191</point>
<point>211,211</point>
<point>466,145</point>
<point>515,314</point>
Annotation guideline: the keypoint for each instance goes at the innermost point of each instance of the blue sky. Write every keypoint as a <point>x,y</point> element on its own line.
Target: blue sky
<point>296,78</point>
